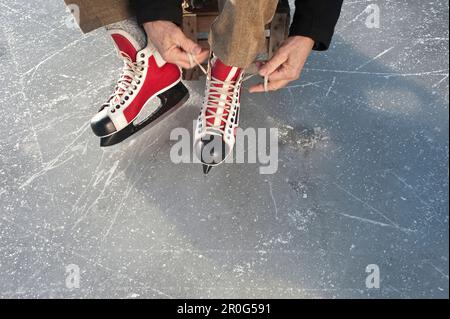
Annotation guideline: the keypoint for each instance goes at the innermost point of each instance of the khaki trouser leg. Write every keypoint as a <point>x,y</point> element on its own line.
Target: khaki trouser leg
<point>93,14</point>
<point>238,34</point>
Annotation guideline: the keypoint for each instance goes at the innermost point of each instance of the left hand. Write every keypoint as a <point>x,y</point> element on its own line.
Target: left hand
<point>287,63</point>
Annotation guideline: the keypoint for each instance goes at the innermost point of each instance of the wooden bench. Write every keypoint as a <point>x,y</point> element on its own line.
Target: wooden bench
<point>198,15</point>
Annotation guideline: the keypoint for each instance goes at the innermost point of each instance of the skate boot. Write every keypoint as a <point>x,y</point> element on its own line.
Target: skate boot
<point>215,134</point>
<point>146,76</point>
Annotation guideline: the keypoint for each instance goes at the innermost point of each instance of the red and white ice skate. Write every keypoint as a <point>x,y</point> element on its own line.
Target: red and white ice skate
<point>215,134</point>
<point>145,76</point>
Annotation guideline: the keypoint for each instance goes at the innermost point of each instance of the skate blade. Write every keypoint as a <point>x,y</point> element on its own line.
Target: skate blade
<point>207,169</point>
<point>163,112</point>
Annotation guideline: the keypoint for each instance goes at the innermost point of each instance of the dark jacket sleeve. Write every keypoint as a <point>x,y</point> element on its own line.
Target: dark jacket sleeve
<point>152,10</point>
<point>316,19</point>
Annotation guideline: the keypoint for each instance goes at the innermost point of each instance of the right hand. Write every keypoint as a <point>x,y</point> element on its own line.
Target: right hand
<point>173,45</point>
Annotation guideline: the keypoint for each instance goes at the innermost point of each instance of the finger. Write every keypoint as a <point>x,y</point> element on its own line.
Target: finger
<point>285,72</point>
<point>276,85</point>
<point>203,56</point>
<point>197,60</point>
<point>273,64</point>
<point>259,64</point>
<point>184,65</point>
<point>181,58</point>
<point>272,86</point>
<point>189,46</point>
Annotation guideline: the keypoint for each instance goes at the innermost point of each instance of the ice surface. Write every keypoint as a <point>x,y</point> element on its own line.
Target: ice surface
<point>363,176</point>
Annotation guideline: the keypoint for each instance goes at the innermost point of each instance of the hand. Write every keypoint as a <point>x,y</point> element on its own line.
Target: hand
<point>286,65</point>
<point>173,45</point>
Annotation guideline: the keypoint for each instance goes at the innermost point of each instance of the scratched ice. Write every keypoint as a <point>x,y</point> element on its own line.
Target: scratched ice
<point>362,179</point>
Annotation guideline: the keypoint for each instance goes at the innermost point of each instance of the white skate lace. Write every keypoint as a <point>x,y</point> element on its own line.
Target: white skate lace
<point>220,97</point>
<point>216,102</point>
<point>193,61</point>
<point>131,74</point>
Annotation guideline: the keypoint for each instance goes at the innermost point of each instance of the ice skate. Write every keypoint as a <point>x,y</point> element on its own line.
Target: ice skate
<point>215,134</point>
<point>145,77</point>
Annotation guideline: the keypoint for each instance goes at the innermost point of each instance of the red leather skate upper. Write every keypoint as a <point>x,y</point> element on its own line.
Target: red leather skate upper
<point>222,72</point>
<point>124,45</point>
<point>158,79</point>
<point>127,51</point>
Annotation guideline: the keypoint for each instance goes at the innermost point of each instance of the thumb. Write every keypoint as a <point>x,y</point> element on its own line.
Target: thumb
<point>189,46</point>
